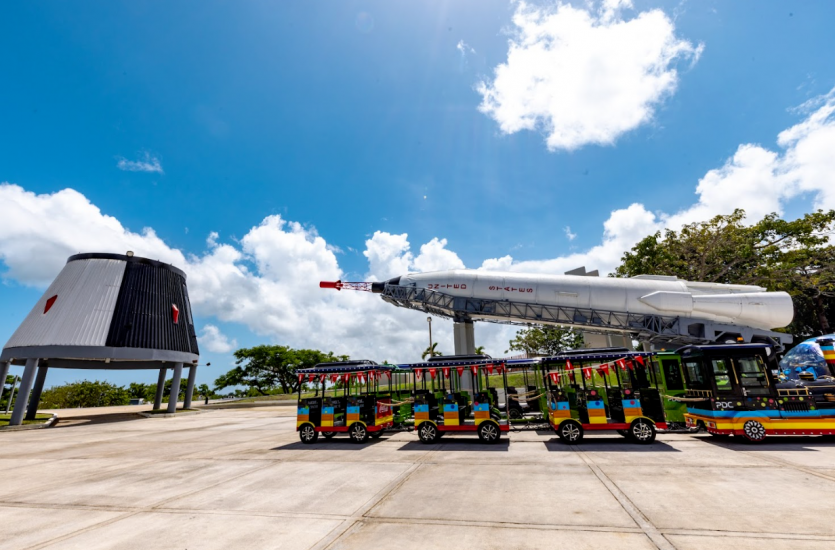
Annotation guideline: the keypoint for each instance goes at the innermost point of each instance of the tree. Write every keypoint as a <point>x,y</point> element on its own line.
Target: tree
<point>431,351</point>
<point>479,350</point>
<point>84,394</point>
<point>546,340</point>
<point>793,256</point>
<point>264,368</point>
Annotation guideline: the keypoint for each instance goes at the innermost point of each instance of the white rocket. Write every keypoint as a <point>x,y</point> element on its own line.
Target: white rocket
<point>745,305</point>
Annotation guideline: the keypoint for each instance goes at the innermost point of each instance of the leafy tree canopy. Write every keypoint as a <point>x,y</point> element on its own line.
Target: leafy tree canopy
<point>546,340</point>
<point>793,256</point>
<point>431,351</point>
<point>263,368</point>
<point>84,394</point>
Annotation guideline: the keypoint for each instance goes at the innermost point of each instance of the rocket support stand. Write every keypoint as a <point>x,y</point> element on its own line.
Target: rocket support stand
<point>464,338</point>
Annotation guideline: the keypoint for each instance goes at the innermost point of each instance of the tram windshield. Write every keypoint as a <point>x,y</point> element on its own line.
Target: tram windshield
<point>721,374</point>
<point>752,375</point>
<point>695,377</point>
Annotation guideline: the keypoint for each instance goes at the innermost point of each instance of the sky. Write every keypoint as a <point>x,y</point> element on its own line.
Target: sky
<point>265,146</point>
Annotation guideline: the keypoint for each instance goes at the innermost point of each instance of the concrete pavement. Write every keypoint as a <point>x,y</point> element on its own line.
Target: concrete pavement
<point>241,479</point>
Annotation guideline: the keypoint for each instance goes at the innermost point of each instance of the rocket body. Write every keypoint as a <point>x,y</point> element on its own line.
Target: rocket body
<point>745,305</point>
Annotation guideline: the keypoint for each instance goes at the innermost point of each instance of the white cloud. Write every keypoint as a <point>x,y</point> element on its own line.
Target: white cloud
<point>582,76</point>
<point>464,48</point>
<point>268,281</point>
<point>212,339</point>
<point>147,163</point>
<point>568,234</point>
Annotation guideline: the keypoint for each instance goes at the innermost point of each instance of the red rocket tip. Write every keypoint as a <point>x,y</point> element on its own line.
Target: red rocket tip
<point>328,284</point>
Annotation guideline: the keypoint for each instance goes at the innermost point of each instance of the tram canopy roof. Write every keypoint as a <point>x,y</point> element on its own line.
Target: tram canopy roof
<point>465,362</point>
<point>346,366</point>
<point>695,350</point>
<point>596,356</point>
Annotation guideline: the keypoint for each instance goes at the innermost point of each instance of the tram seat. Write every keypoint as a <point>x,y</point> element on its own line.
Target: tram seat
<point>615,405</point>
<point>531,401</point>
<point>512,401</point>
<point>651,404</point>
<point>494,395</point>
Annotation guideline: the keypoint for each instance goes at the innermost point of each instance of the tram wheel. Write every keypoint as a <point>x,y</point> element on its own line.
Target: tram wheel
<point>428,433</point>
<point>753,431</point>
<point>375,435</point>
<point>488,432</point>
<point>515,414</point>
<point>624,433</point>
<point>308,434</point>
<point>358,433</point>
<point>570,431</point>
<point>328,435</point>
<point>642,431</point>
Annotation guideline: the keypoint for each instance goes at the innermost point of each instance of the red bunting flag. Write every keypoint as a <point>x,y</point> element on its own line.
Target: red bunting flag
<point>555,377</point>
<point>321,378</point>
<point>301,377</point>
<point>587,372</point>
<point>419,374</point>
<point>500,368</point>
<point>630,364</point>
<point>475,370</point>
<point>460,371</point>
<point>311,377</point>
<point>640,359</point>
<point>621,363</point>
<point>334,378</point>
<point>361,377</point>
<point>604,368</point>
<point>568,365</point>
<point>346,377</point>
<point>490,368</point>
<point>446,372</point>
<point>433,372</point>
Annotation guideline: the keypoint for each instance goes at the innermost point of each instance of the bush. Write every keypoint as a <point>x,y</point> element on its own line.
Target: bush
<point>84,394</point>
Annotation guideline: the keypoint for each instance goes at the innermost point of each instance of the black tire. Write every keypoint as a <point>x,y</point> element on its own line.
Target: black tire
<point>624,433</point>
<point>515,414</point>
<point>376,435</point>
<point>753,431</point>
<point>428,433</point>
<point>328,435</point>
<point>642,431</point>
<point>570,431</point>
<point>489,432</point>
<point>358,433</point>
<point>308,434</point>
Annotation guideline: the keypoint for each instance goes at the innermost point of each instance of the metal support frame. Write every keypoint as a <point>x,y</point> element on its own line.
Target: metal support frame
<point>4,372</point>
<point>655,329</point>
<point>23,392</point>
<point>192,375</point>
<point>35,396</point>
<point>160,389</point>
<point>175,388</point>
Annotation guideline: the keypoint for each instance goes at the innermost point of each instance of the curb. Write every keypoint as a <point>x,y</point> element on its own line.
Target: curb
<point>169,415</point>
<point>48,424</point>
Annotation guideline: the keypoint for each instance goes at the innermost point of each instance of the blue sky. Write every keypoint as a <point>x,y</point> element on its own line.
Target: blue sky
<point>351,118</point>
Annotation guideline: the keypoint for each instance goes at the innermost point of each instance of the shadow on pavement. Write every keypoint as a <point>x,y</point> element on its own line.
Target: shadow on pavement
<point>457,444</point>
<point>89,420</point>
<point>609,445</point>
<point>771,443</point>
<point>336,444</point>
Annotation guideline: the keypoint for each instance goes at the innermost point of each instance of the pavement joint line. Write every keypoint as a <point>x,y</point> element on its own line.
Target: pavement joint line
<point>351,523</point>
<point>72,534</point>
<point>653,534</point>
<point>210,486</point>
<point>505,525</point>
<point>787,464</point>
<point>748,535</point>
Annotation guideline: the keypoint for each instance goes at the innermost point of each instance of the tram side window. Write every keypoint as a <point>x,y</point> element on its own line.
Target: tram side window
<point>695,377</point>
<point>752,375</point>
<point>721,374</point>
<point>672,374</point>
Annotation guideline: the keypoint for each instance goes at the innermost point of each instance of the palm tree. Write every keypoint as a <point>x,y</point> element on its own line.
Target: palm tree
<point>431,351</point>
<point>479,350</point>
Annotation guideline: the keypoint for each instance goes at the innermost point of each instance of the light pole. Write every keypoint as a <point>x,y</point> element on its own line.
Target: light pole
<point>431,353</point>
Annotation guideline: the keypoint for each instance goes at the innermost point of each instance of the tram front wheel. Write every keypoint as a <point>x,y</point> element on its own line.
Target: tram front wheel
<point>358,433</point>
<point>753,431</point>
<point>570,432</point>
<point>642,431</point>
<point>488,432</point>
<point>308,434</point>
<point>428,433</point>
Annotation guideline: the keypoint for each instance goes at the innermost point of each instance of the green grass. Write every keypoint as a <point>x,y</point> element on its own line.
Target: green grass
<point>39,419</point>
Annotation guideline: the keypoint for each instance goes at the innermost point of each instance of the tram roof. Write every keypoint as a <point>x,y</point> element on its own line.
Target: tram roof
<point>690,350</point>
<point>463,362</point>
<point>608,355</point>
<point>346,366</point>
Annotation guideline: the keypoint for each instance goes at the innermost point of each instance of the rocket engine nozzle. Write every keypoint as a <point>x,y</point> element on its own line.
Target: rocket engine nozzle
<point>376,288</point>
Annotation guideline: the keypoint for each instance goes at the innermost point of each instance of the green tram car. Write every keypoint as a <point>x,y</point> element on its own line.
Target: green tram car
<point>355,407</point>
<point>590,390</point>
<point>442,405</point>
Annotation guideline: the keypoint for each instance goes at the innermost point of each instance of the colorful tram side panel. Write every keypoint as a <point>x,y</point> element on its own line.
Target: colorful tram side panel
<point>616,390</point>
<point>354,408</point>
<point>734,390</point>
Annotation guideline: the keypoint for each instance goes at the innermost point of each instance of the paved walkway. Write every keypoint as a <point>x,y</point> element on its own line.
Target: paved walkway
<point>240,479</point>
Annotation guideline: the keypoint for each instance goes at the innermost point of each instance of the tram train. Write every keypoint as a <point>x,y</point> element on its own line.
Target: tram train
<point>725,390</point>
